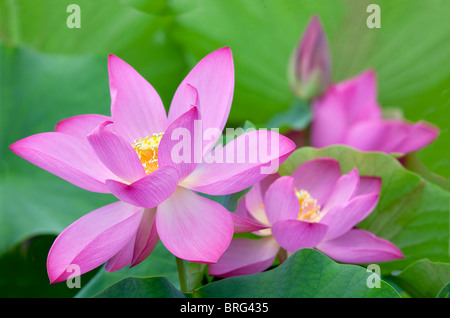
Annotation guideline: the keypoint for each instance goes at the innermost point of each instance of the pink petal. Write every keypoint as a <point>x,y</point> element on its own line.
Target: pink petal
<point>213,77</point>
<point>146,237</point>
<point>344,189</point>
<point>293,235</point>
<point>66,156</point>
<point>376,136</point>
<point>310,69</point>
<point>93,239</point>
<point>318,177</point>
<point>245,161</point>
<point>122,258</point>
<point>116,153</point>
<point>194,228</point>
<point>136,108</point>
<point>342,217</point>
<point>359,97</point>
<point>344,104</point>
<point>243,225</point>
<point>245,256</point>
<point>359,246</point>
<point>368,185</point>
<point>391,136</point>
<point>281,202</point>
<point>254,199</point>
<point>181,145</point>
<point>139,247</point>
<point>419,135</point>
<point>81,126</point>
<point>149,191</point>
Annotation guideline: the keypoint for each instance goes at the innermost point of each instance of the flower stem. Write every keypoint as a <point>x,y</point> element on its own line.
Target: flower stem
<point>182,275</point>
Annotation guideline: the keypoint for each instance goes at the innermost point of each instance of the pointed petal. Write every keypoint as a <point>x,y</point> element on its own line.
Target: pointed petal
<point>245,257</point>
<point>343,217</point>
<point>344,189</point>
<point>243,225</point>
<point>148,191</point>
<point>254,199</point>
<point>310,68</point>
<point>281,202</point>
<point>66,156</point>
<point>368,185</point>
<point>81,126</point>
<point>136,108</point>
<point>245,161</point>
<point>419,135</point>
<point>184,154</point>
<point>213,78</point>
<point>93,239</point>
<point>376,136</point>
<point>359,246</point>
<point>344,104</point>
<point>116,153</point>
<point>318,177</point>
<point>293,235</point>
<point>122,258</point>
<point>194,228</point>
<point>146,237</point>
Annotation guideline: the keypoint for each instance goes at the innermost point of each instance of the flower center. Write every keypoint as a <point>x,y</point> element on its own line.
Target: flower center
<point>147,150</point>
<point>309,209</point>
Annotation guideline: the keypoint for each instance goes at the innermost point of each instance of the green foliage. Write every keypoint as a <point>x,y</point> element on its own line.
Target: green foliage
<point>50,72</point>
<point>307,273</point>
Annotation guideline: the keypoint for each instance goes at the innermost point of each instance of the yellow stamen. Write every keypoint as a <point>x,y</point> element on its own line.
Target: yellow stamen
<point>309,209</point>
<point>147,150</point>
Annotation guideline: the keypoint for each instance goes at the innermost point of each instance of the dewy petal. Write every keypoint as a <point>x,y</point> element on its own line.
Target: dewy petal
<point>136,108</point>
<point>344,189</point>
<point>181,145</point>
<point>341,218</point>
<point>245,161</point>
<point>193,227</point>
<point>293,235</point>
<point>358,246</point>
<point>148,191</point>
<point>81,126</point>
<point>93,239</point>
<point>317,176</point>
<point>116,153</point>
<point>66,156</point>
<point>245,257</point>
<point>280,201</point>
<point>213,78</point>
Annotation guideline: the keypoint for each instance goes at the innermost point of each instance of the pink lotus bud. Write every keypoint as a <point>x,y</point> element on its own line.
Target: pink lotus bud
<point>310,65</point>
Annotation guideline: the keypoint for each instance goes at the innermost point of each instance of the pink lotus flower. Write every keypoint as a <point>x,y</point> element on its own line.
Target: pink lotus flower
<point>348,113</point>
<point>315,207</point>
<point>130,155</point>
<point>309,70</point>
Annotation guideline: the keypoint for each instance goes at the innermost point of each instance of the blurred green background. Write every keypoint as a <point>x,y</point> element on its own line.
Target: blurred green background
<point>50,72</point>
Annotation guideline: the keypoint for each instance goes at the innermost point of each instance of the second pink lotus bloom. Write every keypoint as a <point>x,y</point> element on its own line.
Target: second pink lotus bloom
<point>315,207</point>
